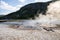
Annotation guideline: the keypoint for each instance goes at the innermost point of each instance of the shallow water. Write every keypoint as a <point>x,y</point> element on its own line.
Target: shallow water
<point>4,26</point>
<point>27,23</point>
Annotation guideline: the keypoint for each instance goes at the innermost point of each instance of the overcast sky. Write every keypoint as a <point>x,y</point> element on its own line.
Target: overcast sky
<point>8,6</point>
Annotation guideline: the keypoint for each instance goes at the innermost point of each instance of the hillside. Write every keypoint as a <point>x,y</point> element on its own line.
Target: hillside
<point>29,11</point>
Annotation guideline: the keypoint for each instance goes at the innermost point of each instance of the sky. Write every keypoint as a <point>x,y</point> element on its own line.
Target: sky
<point>9,6</point>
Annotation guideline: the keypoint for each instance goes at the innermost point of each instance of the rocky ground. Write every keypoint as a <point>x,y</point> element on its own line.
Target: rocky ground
<point>23,33</point>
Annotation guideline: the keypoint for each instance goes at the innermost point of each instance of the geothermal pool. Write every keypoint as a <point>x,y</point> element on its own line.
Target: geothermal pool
<point>29,23</point>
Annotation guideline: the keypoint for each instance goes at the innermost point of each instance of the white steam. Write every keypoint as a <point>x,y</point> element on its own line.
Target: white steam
<point>53,13</point>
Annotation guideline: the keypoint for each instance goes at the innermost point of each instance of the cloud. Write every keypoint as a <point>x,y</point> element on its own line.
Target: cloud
<point>5,13</point>
<point>41,0</point>
<point>10,8</point>
<point>18,6</point>
<point>22,1</point>
<point>6,6</point>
